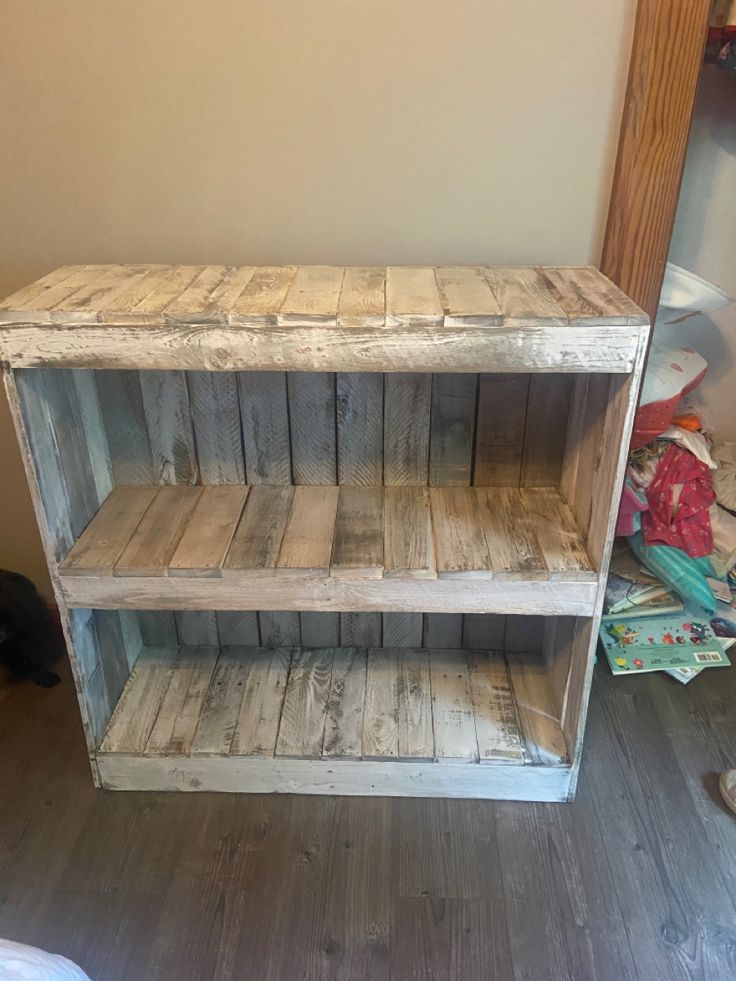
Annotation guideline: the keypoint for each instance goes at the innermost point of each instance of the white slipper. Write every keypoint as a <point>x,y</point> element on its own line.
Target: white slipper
<point>727,786</point>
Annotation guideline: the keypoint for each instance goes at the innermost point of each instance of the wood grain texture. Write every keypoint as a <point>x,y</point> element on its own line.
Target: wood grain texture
<point>402,629</point>
<point>166,407</point>
<point>658,107</point>
<point>408,539</point>
<point>213,399</point>
<point>454,399</point>
<point>359,407</point>
<point>363,297</point>
<point>152,543</point>
<point>499,439</point>
<point>406,423</point>
<point>313,295</point>
<point>124,420</point>
<point>312,427</point>
<point>263,295</point>
<point>262,703</point>
<point>412,296</point>
<point>416,735</point>
<point>100,545</point>
<point>381,707</point>
<point>460,543</point>
<point>360,629</point>
<point>257,540</point>
<point>128,731</point>
<point>566,347</point>
<point>265,421</point>
<point>176,723</point>
<point>466,296</point>
<point>302,727</point>
<point>207,537</point>
<point>548,407</point>
<point>357,549</point>
<point>306,547</point>
<point>452,708</point>
<point>344,724</point>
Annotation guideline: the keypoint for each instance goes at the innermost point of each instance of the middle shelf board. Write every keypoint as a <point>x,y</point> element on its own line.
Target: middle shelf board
<point>472,549</point>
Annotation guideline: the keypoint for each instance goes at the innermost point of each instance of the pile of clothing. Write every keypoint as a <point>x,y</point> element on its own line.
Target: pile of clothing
<point>678,509</point>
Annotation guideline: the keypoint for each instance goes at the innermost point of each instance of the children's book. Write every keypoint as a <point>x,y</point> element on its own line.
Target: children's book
<point>657,643</point>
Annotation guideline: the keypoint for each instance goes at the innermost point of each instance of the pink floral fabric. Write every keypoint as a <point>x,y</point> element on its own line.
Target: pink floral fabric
<point>679,497</point>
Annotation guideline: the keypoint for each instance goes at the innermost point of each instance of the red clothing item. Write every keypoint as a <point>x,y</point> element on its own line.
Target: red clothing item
<point>679,496</point>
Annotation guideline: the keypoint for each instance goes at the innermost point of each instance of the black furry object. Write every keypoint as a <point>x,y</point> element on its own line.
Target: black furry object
<point>29,639</point>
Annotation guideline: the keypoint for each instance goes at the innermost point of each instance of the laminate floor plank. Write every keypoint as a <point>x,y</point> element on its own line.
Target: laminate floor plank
<point>162,885</point>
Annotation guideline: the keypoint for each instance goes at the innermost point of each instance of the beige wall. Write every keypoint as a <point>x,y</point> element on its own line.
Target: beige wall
<point>300,130</point>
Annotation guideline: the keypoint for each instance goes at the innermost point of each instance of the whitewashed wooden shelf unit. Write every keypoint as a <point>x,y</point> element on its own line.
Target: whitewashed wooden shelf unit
<point>327,530</point>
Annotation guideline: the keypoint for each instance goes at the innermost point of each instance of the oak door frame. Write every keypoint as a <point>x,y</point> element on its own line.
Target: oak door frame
<point>666,61</point>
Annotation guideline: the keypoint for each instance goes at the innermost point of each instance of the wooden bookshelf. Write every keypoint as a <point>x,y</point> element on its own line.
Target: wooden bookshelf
<point>368,508</point>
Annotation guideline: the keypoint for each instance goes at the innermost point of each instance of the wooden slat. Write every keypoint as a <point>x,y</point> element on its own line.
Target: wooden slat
<point>496,722</point>
<point>548,408</point>
<point>320,629</point>
<point>213,399</point>
<point>412,296</point>
<point>217,306</point>
<point>197,628</point>
<point>343,736</point>
<point>169,422</point>
<point>474,594</point>
<point>302,728</point>
<point>124,421</point>
<point>443,630</point>
<point>265,419</point>
<point>359,411</point>
<point>524,297</point>
<point>415,733</point>
<point>360,629</point>
<point>357,549</point>
<point>239,627</point>
<point>407,399</point>
<point>313,295</point>
<point>263,295</point>
<point>87,400</point>
<point>97,293</point>
<point>466,296</point>
<point>540,725</point>
<point>307,543</point>
<point>452,709</point>
<point>484,632</point>
<point>136,712</point>
<point>380,712</point>
<point>102,542</point>
<point>587,297</point>
<point>120,309</point>
<point>257,540</point>
<point>402,629</point>
<point>454,399</point>
<point>193,304</point>
<point>513,547</point>
<point>499,440</point>
<point>173,731</point>
<point>153,542</point>
<point>555,529</point>
<point>168,288</point>
<point>459,540</point>
<point>279,628</point>
<point>206,539</point>
<point>260,709</point>
<point>221,706</point>
<point>363,297</point>
<point>312,427</point>
<point>408,541</point>
<point>34,302</point>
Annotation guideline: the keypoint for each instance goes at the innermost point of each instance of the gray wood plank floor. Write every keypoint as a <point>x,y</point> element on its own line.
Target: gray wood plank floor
<point>636,880</point>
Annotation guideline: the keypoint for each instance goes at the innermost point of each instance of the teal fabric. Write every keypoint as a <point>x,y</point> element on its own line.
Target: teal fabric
<point>683,574</point>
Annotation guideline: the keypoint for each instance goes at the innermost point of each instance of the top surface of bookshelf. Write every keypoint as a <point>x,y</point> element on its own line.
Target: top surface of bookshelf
<point>324,317</point>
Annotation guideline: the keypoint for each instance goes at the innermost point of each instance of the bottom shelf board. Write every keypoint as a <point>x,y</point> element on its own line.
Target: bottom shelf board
<point>402,722</point>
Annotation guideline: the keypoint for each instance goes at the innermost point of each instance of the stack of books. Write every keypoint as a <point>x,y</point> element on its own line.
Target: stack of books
<point>645,627</point>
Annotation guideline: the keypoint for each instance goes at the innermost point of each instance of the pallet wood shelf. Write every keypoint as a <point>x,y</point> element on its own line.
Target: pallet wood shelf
<point>264,708</point>
<point>327,529</point>
<point>398,541</point>
<point>323,318</point>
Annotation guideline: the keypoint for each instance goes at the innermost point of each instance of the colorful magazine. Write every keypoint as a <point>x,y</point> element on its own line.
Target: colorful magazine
<point>657,643</point>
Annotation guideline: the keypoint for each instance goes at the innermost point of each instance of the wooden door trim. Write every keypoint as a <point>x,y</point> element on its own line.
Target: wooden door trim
<point>666,60</point>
